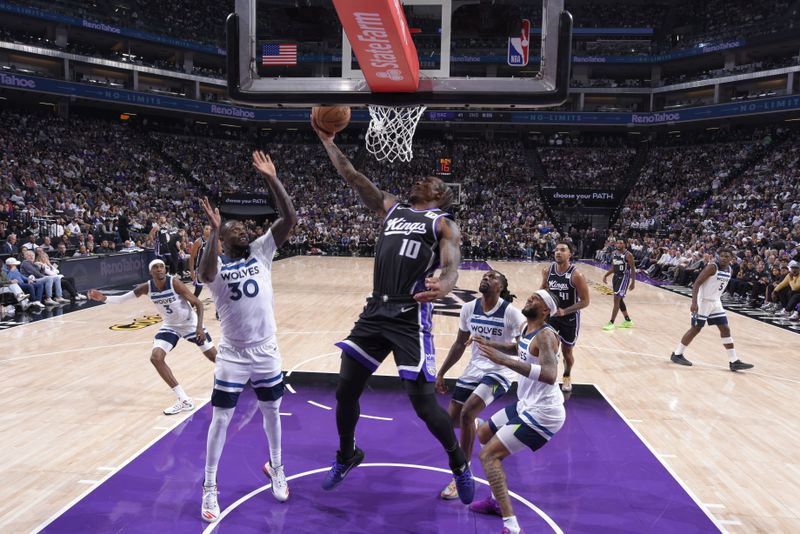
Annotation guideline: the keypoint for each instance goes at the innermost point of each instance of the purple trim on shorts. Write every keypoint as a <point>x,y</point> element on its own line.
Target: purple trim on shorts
<point>426,324</point>
<point>350,351</point>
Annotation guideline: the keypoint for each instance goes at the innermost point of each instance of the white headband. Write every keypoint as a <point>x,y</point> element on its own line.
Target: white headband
<point>548,300</point>
<point>154,263</point>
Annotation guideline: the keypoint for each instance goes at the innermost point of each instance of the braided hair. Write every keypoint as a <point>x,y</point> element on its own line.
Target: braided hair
<point>505,294</point>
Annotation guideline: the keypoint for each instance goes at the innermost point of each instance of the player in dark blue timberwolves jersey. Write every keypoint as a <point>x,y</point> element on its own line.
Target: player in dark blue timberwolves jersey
<point>415,239</point>
<point>568,285</point>
<point>624,270</point>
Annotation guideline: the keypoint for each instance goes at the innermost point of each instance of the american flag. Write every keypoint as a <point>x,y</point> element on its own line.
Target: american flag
<point>279,54</point>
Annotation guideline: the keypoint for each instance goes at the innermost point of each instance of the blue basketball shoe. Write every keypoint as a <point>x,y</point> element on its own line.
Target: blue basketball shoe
<point>465,485</point>
<point>340,468</point>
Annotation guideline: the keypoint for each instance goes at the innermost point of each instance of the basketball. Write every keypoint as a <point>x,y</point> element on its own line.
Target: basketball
<point>332,119</point>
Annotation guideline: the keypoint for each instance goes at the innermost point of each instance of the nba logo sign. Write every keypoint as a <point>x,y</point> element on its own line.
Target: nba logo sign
<point>518,46</point>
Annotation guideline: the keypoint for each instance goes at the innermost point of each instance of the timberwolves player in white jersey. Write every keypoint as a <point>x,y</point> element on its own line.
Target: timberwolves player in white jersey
<point>539,412</point>
<point>183,318</point>
<point>707,308</point>
<point>415,239</point>
<point>491,317</point>
<point>240,281</point>
<point>567,284</point>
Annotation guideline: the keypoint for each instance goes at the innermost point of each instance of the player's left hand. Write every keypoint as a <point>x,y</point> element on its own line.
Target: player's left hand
<point>435,291</point>
<point>199,336</point>
<point>559,312</point>
<point>214,218</point>
<point>263,164</point>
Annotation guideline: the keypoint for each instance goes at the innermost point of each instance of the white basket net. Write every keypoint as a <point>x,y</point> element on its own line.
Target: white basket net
<point>391,131</point>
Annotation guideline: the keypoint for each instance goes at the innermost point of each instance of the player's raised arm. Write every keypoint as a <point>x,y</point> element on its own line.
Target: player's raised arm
<point>208,263</point>
<point>288,217</point>
<point>375,199</point>
<point>450,259</point>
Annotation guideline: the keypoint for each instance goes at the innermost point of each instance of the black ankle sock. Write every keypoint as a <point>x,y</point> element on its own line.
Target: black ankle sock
<point>457,459</point>
<point>347,446</point>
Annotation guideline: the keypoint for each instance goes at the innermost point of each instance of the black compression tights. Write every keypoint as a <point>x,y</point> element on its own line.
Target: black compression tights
<point>352,378</point>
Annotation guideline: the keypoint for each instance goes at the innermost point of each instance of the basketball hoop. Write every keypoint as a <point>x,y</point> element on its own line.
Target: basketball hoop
<point>391,131</point>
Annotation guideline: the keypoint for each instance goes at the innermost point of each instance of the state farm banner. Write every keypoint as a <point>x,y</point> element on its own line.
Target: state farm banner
<point>379,34</point>
<point>581,197</point>
<point>238,205</point>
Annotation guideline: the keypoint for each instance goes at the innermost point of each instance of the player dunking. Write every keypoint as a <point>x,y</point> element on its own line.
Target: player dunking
<point>707,308</point>
<point>176,305</point>
<point>624,270</point>
<point>538,414</point>
<point>491,317</point>
<point>415,238</point>
<point>568,285</point>
<point>195,255</point>
<point>241,285</point>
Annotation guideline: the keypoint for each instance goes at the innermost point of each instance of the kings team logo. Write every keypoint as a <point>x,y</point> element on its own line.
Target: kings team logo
<point>518,47</point>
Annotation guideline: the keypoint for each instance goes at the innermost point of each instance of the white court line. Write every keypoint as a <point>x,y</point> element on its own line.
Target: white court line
<point>210,528</point>
<point>290,388</point>
<point>319,405</point>
<point>112,473</point>
<point>286,414</point>
<point>82,349</point>
<point>88,481</point>
<point>696,363</point>
<point>661,461</point>
<point>376,417</point>
<point>293,369</point>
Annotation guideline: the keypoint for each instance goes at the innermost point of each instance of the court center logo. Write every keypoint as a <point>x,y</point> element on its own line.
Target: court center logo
<point>602,288</point>
<point>137,324</point>
<point>451,304</point>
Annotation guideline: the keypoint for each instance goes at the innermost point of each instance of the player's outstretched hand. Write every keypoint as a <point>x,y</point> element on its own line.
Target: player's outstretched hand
<point>435,291</point>
<point>486,348</point>
<point>263,164</point>
<point>325,136</point>
<point>213,214</point>
<point>96,295</point>
<point>440,385</point>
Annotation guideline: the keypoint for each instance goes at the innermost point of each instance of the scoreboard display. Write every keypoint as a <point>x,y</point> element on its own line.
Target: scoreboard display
<point>444,167</point>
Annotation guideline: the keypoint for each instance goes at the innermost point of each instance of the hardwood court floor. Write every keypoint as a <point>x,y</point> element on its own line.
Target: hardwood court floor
<point>78,399</point>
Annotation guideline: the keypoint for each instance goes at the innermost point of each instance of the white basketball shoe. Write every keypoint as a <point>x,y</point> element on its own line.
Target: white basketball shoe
<point>185,405</point>
<point>280,489</point>
<point>210,509</point>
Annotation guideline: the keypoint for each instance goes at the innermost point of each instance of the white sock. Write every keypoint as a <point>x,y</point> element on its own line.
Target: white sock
<point>272,427</point>
<point>680,349</point>
<point>180,393</point>
<point>731,355</point>
<point>216,441</point>
<point>511,524</point>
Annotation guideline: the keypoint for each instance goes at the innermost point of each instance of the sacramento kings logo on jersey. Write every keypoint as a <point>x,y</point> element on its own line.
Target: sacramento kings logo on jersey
<point>620,263</point>
<point>560,285</point>
<point>407,251</point>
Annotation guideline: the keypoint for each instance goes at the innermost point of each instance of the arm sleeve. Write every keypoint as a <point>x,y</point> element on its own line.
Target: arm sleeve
<point>111,299</point>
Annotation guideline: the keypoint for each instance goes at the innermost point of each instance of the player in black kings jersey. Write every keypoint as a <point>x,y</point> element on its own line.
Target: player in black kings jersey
<point>415,239</point>
<point>624,270</point>
<point>569,287</point>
